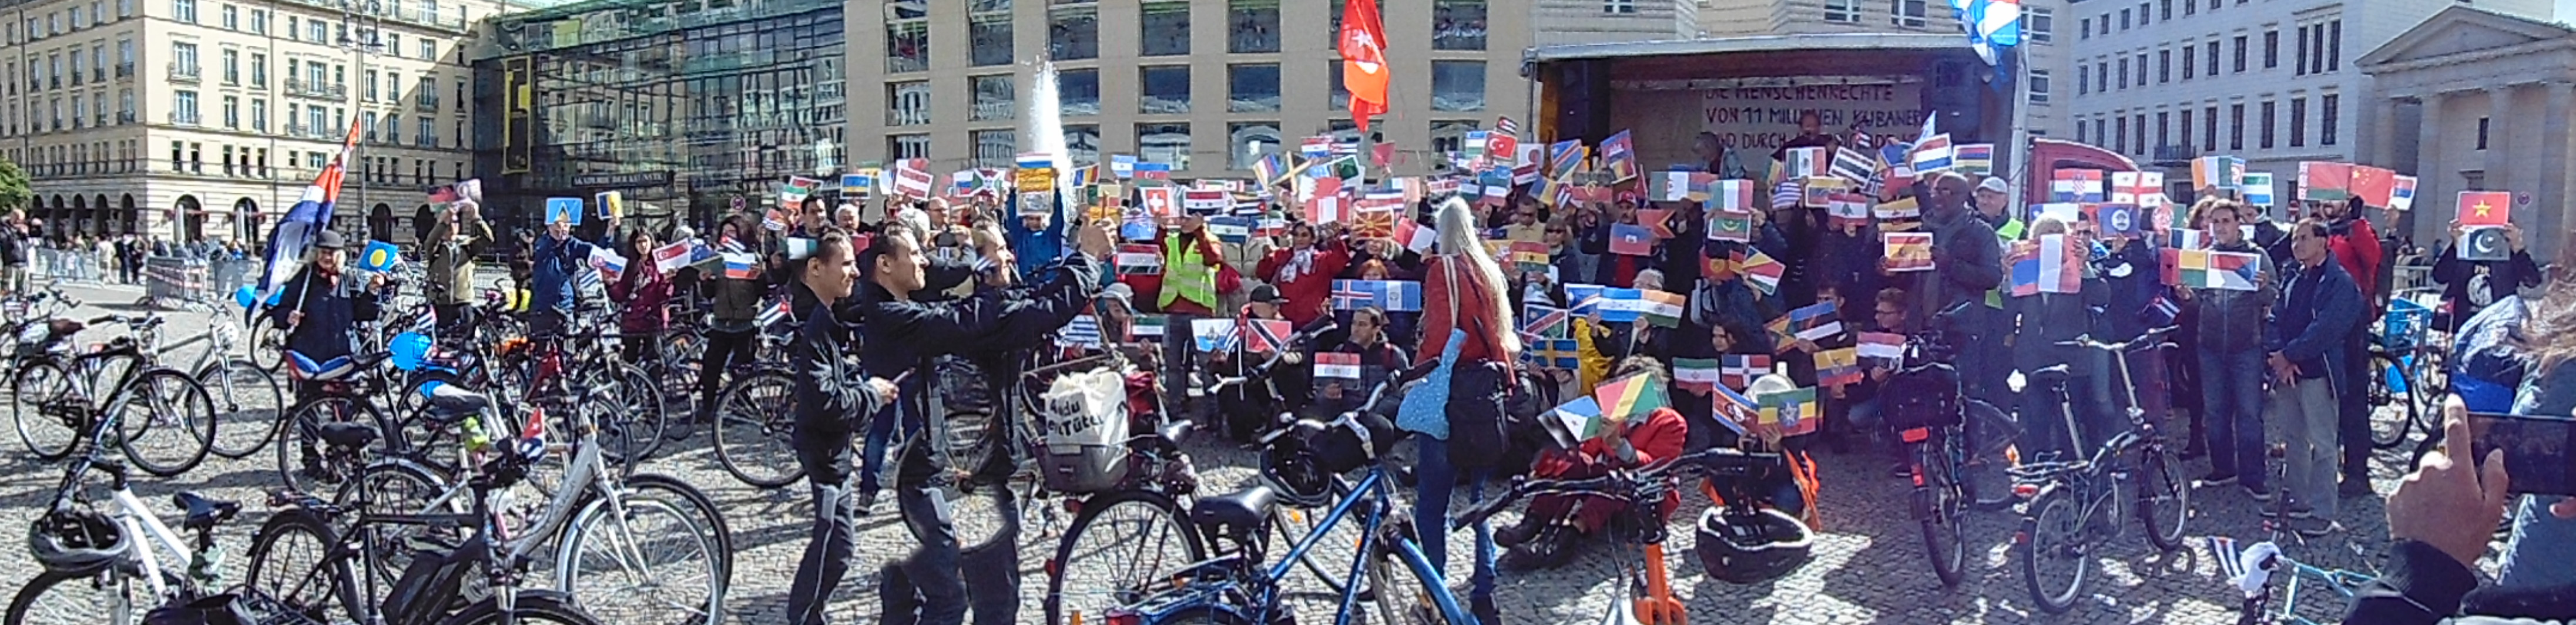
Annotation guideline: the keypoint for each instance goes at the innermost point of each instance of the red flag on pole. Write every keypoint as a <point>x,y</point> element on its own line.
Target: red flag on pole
<point>1364,70</point>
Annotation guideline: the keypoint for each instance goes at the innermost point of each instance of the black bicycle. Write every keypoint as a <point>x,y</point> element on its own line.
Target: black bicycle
<point>2072,507</point>
<point>1928,408</point>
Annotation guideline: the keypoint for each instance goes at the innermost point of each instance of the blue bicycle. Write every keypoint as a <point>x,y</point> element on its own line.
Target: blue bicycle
<point>1241,586</point>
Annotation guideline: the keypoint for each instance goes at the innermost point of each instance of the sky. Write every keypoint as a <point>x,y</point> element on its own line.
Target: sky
<point>2566,10</point>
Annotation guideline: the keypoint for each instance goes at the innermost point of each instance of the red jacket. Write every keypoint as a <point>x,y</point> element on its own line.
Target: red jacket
<point>1662,435</point>
<point>2359,253</point>
<point>1439,315</point>
<point>1310,292</point>
<point>642,293</point>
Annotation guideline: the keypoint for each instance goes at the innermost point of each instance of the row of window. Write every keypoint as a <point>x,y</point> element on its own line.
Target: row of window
<point>69,68</point>
<point>51,114</point>
<point>315,122</point>
<point>1073,32</point>
<point>190,157</point>
<point>1456,87</point>
<point>2319,50</point>
<point>53,23</point>
<point>2164,10</point>
<point>1170,143</point>
<point>2037,24</point>
<point>2129,134</point>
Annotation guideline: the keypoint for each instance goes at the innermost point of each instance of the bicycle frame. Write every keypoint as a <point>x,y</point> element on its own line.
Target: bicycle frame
<point>139,520</point>
<point>1370,489</point>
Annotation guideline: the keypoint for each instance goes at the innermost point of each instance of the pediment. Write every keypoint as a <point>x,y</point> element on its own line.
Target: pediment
<point>2461,30</point>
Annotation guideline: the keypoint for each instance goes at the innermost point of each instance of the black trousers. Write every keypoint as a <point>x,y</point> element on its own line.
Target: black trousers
<point>725,350</point>
<point>2352,403</point>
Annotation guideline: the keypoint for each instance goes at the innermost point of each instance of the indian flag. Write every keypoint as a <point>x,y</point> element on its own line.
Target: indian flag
<point>1663,308</point>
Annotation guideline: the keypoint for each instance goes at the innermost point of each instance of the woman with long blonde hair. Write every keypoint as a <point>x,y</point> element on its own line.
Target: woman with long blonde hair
<point>1466,321</point>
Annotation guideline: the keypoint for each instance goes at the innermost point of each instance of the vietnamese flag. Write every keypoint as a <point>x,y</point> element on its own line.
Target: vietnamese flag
<point>1364,70</point>
<point>2485,208</point>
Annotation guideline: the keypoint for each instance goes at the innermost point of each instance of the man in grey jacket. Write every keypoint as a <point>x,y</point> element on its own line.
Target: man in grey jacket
<point>2231,358</point>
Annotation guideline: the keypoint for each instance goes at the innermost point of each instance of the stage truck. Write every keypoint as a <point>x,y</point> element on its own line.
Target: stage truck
<point>1751,91</point>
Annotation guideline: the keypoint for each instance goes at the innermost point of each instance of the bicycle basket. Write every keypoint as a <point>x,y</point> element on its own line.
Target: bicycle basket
<point>1085,419</point>
<point>2404,325</point>
<point>1926,397</point>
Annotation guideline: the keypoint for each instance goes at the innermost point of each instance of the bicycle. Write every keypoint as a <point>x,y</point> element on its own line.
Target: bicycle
<point>1929,409</point>
<point>2252,569</point>
<point>1242,588</point>
<point>60,388</point>
<point>755,417</point>
<point>2405,367</point>
<point>2071,507</point>
<point>141,529</point>
<point>246,396</point>
<point>1645,583</point>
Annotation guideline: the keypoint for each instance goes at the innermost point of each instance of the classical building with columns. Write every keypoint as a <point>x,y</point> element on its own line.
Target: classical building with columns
<point>2476,100</point>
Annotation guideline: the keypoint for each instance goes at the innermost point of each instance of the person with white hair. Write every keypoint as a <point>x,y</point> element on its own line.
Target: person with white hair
<point>1466,322</point>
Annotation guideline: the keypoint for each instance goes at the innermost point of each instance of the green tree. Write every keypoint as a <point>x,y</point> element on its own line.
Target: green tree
<point>13,186</point>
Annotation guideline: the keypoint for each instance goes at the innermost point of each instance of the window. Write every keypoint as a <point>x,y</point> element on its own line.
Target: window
<point>1166,90</point>
<point>429,49</point>
<point>2211,53</point>
<point>2267,118</point>
<point>231,17</point>
<point>907,46</point>
<point>2119,136</point>
<point>1082,143</point>
<point>258,114</point>
<point>908,146</point>
<point>1073,33</point>
<point>2079,131</point>
<point>2163,125</point>
<point>2236,126</point>
<point>1252,26</point>
<point>2184,138</point>
<point>2189,7</point>
<point>908,103</point>
<point>993,97</point>
<point>2142,23</point>
<point>294,28</point>
<point>1460,24</point>
<point>2083,79</point>
<point>2124,19</point>
<point>1618,7</point>
<point>1078,91</point>
<point>2142,69</point>
<point>989,40</point>
<point>183,107</point>
<point>232,112</point>
<point>259,21</point>
<point>2124,72</point>
<point>2482,133</point>
<point>1252,88</point>
<point>2039,25</point>
<point>2102,76</point>
<point>2209,128</point>
<point>2188,60</point>
<point>2271,49</point>
<point>393,45</point>
<point>184,10</point>
<point>1457,86</point>
<point>1842,11</point>
<point>1907,13</point>
<point>368,120</point>
<point>2039,86</point>
<point>2240,54</point>
<point>1165,29</point>
<point>1164,143</point>
<point>2164,66</point>
<point>317,32</point>
<point>2140,128</point>
<point>2164,10</point>
<point>995,148</point>
<point>2327,111</point>
<point>2334,45</point>
<point>1248,142</point>
<point>2084,30</point>
<point>2298,122</point>
<point>2299,61</point>
<point>183,60</point>
<point>369,92</point>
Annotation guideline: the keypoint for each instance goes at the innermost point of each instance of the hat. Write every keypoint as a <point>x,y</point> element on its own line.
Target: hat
<point>1769,383</point>
<point>1119,290</point>
<point>1267,294</point>
<point>1994,184</point>
<point>329,240</point>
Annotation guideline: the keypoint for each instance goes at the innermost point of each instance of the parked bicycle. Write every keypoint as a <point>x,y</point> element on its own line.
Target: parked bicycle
<point>102,567</point>
<point>1643,580</point>
<point>1926,404</point>
<point>168,422</point>
<point>2072,507</point>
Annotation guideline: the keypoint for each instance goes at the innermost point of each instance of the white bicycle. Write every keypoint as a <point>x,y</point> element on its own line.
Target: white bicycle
<point>99,568</point>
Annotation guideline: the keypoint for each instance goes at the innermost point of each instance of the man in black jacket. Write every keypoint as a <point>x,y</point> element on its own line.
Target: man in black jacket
<point>2441,518</point>
<point>903,335</point>
<point>830,396</point>
<point>1967,261</point>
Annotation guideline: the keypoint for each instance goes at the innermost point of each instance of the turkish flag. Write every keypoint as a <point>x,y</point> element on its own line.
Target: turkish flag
<point>1364,70</point>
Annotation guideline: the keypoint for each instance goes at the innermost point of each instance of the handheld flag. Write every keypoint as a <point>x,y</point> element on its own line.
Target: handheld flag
<point>564,210</point>
<point>2485,208</point>
<point>379,257</point>
<point>1908,251</point>
<point>292,239</point>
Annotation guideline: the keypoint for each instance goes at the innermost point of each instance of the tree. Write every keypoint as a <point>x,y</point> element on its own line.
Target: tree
<point>13,187</point>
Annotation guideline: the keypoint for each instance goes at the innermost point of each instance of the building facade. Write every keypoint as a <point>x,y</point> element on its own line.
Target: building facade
<point>1204,85</point>
<point>690,109</point>
<point>205,118</point>
<point>2271,81</point>
<point>2477,100</point>
<point>2042,54</point>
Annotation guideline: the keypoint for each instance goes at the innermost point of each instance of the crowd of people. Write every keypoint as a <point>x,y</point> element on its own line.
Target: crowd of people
<point>975,277</point>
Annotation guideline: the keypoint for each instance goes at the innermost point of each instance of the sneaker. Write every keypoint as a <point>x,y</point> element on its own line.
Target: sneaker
<point>679,430</point>
<point>2259,495</point>
<point>2315,528</point>
<point>2215,478</point>
<point>1517,533</point>
<point>2354,488</point>
<point>867,503</point>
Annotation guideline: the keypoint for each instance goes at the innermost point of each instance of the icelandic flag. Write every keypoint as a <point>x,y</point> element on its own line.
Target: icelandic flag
<point>1387,295</point>
<point>292,239</point>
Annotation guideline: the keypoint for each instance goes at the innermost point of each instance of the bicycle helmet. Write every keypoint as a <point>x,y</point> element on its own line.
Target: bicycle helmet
<point>1751,548</point>
<point>1292,471</point>
<point>76,541</point>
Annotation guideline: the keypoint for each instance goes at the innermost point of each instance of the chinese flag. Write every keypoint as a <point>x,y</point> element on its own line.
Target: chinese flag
<point>2373,185</point>
<point>1364,70</point>
<point>2485,208</point>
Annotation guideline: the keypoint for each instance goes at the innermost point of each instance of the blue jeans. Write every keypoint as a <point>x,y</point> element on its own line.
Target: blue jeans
<point>1435,478</point>
<point>2542,551</point>
<point>2231,389</point>
<point>872,453</point>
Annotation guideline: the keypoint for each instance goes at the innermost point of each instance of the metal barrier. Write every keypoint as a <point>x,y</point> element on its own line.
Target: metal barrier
<point>174,279</point>
<point>66,265</point>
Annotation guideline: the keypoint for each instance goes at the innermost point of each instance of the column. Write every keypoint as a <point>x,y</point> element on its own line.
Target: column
<point>2554,183</point>
<point>2435,185</point>
<point>2499,138</point>
<point>2379,131</point>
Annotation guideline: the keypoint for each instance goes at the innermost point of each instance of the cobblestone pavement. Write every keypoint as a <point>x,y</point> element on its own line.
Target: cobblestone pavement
<point>1869,565</point>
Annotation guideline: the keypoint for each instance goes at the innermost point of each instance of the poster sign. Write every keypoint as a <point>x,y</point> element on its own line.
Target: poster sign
<point>1762,113</point>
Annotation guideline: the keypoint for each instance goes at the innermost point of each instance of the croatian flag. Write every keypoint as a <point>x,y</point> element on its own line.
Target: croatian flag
<point>1932,155</point>
<point>293,237</point>
<point>2401,196</point>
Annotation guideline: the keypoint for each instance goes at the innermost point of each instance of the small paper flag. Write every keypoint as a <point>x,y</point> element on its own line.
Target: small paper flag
<point>1908,251</point>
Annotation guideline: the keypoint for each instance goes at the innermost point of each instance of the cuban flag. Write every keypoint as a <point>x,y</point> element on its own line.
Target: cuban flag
<point>292,239</point>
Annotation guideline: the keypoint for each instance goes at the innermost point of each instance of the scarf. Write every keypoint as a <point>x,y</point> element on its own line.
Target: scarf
<point>1299,263</point>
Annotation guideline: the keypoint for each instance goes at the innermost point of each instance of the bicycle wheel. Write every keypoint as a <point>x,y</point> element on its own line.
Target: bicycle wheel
<point>984,516</point>
<point>56,598</point>
<point>529,606</point>
<point>400,487</point>
<point>2386,433</point>
<point>2054,556</point>
<point>2164,496</point>
<point>166,421</point>
<point>1937,507</point>
<point>1118,545</point>
<point>1332,567</point>
<point>651,563</point>
<point>267,346</point>
<point>703,511</point>
<point>247,402</point>
<point>1404,594</point>
<point>43,403</point>
<point>293,571</point>
<point>302,462</point>
<point>755,430</point>
<point>634,430</point>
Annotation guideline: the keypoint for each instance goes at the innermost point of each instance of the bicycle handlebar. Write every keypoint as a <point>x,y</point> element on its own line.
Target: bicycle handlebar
<point>1631,484</point>
<point>2152,338</point>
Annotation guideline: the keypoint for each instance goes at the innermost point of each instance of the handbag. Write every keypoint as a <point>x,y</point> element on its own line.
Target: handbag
<point>1473,420</point>
<point>1228,280</point>
<point>1425,409</point>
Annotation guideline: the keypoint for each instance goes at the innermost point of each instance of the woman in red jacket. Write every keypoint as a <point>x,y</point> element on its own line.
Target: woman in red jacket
<point>1552,522</point>
<point>1304,270</point>
<point>1462,291</point>
<point>640,293</point>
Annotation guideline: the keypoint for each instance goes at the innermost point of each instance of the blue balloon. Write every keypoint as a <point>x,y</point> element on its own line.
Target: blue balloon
<point>245,296</point>
<point>409,349</point>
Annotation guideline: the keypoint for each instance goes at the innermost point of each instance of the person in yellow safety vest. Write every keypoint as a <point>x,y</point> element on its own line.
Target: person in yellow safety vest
<point>1190,258</point>
<point>1994,204</point>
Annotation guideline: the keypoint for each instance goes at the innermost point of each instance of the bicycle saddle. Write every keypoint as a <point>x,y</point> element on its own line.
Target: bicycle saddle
<point>336,369</point>
<point>204,513</point>
<point>450,400</point>
<point>348,435</point>
<point>1237,514</point>
<point>1175,431</point>
<point>2050,376</point>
